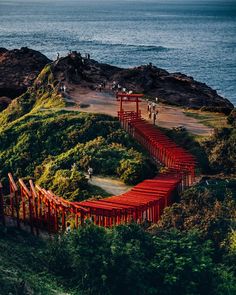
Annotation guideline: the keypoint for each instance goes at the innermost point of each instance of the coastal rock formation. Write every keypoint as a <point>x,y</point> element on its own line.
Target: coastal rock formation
<point>172,88</point>
<point>18,70</point>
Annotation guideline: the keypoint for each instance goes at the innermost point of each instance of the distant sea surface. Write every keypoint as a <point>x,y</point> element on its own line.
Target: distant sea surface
<point>197,38</point>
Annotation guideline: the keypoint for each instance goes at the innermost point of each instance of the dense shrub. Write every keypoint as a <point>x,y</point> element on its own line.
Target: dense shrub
<point>221,151</point>
<point>128,260</point>
<point>232,118</point>
<point>210,209</point>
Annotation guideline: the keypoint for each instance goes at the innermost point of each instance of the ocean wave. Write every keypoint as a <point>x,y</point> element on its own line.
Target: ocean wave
<point>125,45</point>
<point>152,48</point>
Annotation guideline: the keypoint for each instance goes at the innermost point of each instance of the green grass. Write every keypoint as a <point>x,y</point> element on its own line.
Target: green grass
<point>213,120</point>
<point>22,262</point>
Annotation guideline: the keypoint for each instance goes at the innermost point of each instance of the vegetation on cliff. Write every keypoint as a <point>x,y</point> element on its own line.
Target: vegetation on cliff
<point>42,95</point>
<point>55,147</point>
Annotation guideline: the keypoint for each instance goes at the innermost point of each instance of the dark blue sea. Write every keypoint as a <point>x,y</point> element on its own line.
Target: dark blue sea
<point>197,38</point>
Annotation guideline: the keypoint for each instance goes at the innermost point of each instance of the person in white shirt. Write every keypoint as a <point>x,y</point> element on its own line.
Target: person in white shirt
<point>90,172</point>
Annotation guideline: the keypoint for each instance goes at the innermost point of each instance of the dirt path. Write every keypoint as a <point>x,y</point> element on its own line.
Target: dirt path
<point>112,186</point>
<point>104,102</point>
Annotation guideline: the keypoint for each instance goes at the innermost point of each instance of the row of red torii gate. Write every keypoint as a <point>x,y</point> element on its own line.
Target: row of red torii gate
<point>42,209</point>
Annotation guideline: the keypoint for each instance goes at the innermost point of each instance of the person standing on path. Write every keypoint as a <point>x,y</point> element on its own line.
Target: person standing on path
<point>155,117</point>
<point>150,114</point>
<point>90,172</point>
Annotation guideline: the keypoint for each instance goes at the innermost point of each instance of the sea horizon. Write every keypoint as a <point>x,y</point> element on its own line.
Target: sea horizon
<point>194,38</point>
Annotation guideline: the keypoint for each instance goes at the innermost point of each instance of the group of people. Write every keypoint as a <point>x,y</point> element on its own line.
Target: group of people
<point>116,87</point>
<point>101,86</point>
<point>63,88</point>
<point>152,110</point>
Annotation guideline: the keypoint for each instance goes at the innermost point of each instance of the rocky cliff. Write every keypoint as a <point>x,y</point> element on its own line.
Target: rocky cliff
<point>172,88</point>
<point>18,70</point>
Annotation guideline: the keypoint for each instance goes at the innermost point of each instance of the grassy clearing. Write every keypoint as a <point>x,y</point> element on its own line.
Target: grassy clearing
<point>213,120</point>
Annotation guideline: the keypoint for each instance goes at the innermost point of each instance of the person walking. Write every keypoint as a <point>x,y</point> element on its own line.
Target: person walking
<point>153,106</point>
<point>90,172</point>
<point>154,118</point>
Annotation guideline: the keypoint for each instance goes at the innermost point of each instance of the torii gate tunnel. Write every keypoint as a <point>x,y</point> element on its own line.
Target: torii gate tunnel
<point>41,208</point>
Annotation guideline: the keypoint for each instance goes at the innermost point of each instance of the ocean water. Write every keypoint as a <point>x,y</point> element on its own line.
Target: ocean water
<point>195,37</point>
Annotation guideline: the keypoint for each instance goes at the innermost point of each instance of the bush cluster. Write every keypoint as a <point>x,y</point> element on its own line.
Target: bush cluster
<point>129,260</point>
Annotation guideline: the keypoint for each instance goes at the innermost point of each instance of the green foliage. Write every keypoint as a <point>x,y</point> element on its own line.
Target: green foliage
<point>68,184</point>
<point>133,171</point>
<point>217,154</point>
<point>123,260</point>
<point>43,94</point>
<point>209,209</point>
<point>46,144</point>
<point>221,151</point>
<point>23,265</point>
<point>232,118</point>
<point>129,260</point>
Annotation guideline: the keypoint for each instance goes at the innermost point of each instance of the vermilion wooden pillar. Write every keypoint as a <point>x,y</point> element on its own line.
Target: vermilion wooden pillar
<point>49,217</point>
<point>35,206</point>
<point>14,202</point>
<point>137,106</point>
<point>2,216</point>
<point>63,219</point>
<point>26,196</point>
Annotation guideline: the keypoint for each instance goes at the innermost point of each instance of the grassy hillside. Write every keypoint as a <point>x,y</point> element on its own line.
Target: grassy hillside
<point>56,148</point>
<point>43,94</point>
<point>23,267</point>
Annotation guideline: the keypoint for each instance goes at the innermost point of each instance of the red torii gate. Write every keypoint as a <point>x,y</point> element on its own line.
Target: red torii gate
<point>123,98</point>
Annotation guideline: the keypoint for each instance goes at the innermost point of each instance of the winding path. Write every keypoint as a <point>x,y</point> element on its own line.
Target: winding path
<point>104,102</point>
<point>110,185</point>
